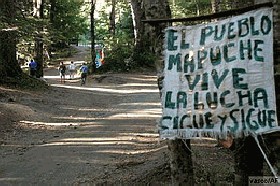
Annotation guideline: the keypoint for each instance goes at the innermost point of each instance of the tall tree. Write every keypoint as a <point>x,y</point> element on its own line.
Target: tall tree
<point>215,5</point>
<point>92,32</point>
<point>148,37</point>
<point>180,153</point>
<point>154,33</point>
<point>137,14</point>
<point>248,160</point>
<point>112,26</point>
<point>66,21</point>
<point>9,67</point>
<point>39,7</point>
<point>52,11</point>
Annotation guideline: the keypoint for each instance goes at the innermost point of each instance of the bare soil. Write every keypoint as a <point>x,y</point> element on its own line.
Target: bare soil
<point>103,133</point>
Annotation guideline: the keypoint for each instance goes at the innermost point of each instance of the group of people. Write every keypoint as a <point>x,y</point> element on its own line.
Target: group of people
<point>83,70</point>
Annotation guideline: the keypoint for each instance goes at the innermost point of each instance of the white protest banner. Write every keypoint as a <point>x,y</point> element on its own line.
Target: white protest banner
<point>219,79</point>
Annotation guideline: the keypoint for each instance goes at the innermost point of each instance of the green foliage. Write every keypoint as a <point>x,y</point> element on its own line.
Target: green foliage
<point>24,81</point>
<point>183,8</point>
<point>124,26</point>
<point>60,53</point>
<point>119,46</point>
<point>188,8</point>
<point>70,20</point>
<point>101,26</point>
<point>116,59</point>
<point>68,23</point>
<point>27,33</point>
<point>124,58</point>
<point>142,57</point>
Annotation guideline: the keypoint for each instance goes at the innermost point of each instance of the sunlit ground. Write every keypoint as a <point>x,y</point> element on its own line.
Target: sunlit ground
<point>125,114</point>
<point>130,110</point>
<point>107,89</point>
<point>127,111</point>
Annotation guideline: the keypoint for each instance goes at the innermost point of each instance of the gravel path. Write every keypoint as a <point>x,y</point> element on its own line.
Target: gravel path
<point>102,133</point>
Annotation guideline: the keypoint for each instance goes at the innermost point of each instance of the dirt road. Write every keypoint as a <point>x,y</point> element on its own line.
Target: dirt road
<point>102,133</point>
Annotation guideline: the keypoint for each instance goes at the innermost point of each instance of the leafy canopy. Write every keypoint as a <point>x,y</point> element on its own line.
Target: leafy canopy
<point>68,22</point>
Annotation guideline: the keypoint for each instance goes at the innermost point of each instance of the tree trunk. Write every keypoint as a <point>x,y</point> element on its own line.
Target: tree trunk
<point>180,154</point>
<point>137,14</point>
<point>248,160</point>
<point>113,19</point>
<point>242,3</point>
<point>181,162</point>
<point>197,7</point>
<point>39,50</point>
<point>154,33</point>
<point>39,56</point>
<point>93,55</point>
<point>52,10</point>
<point>9,67</point>
<point>215,5</point>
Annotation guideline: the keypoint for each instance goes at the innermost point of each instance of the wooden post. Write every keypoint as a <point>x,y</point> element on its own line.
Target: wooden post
<point>181,162</point>
<point>248,160</point>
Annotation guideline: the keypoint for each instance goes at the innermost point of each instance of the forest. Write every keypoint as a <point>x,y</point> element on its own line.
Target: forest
<point>44,30</point>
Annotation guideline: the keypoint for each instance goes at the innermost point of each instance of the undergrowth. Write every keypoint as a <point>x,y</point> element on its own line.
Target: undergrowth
<point>24,81</point>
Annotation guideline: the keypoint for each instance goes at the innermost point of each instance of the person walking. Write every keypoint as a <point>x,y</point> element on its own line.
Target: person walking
<point>62,71</point>
<point>32,68</point>
<point>72,70</point>
<point>84,71</point>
